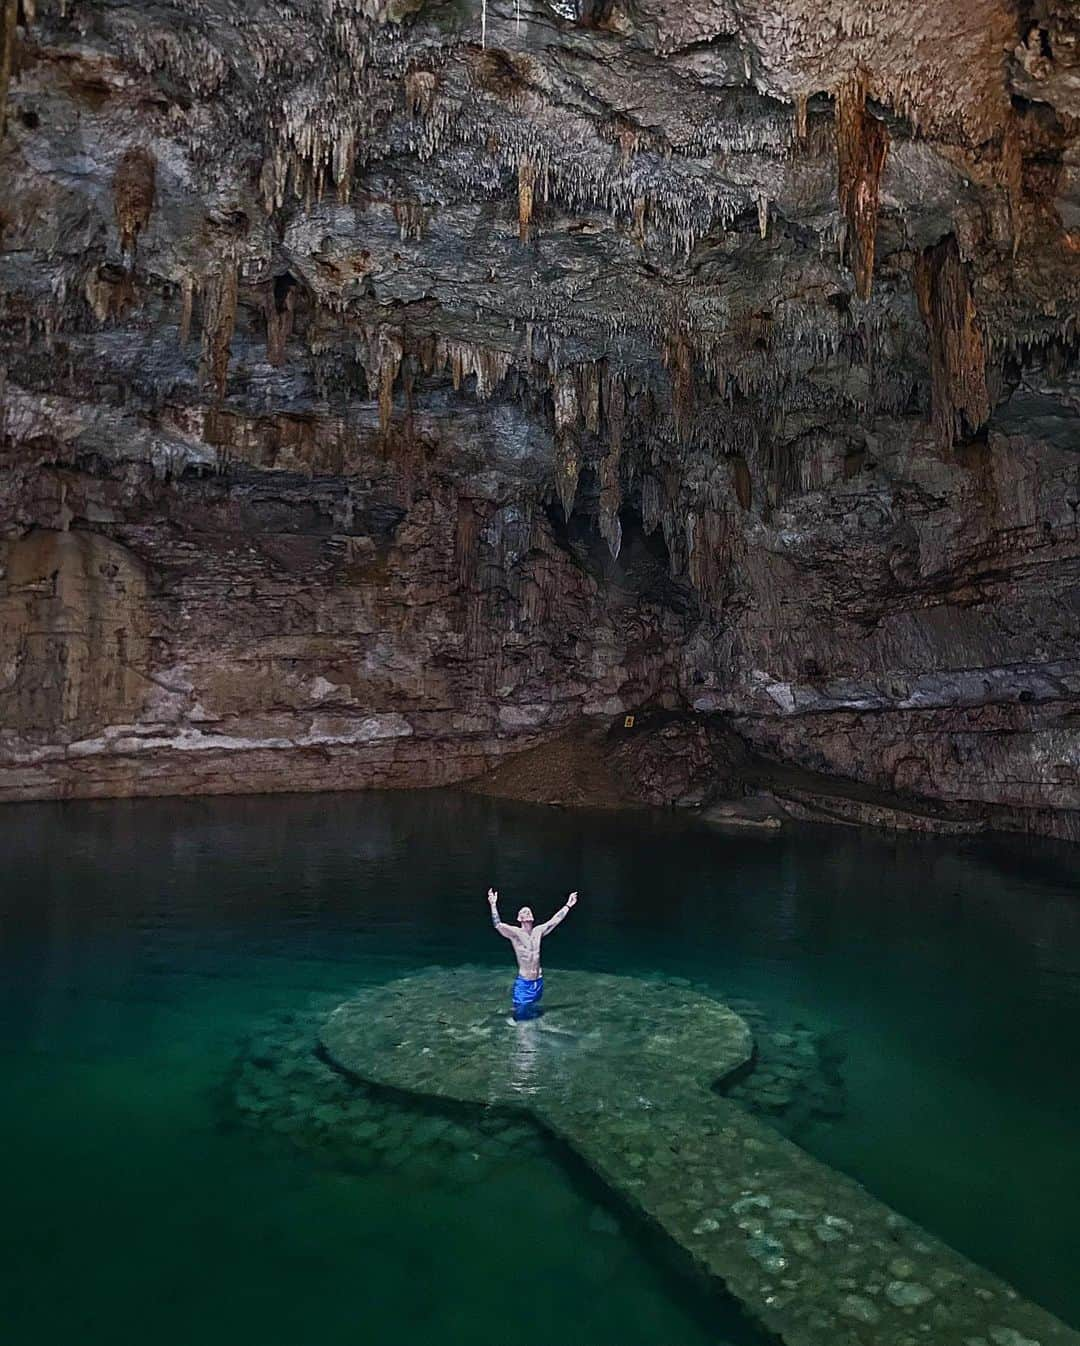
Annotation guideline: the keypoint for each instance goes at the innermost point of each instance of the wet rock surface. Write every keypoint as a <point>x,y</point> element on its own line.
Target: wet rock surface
<point>283,1085</point>
<point>797,1077</point>
<point>288,1094</point>
<point>620,1069</point>
<point>424,379</point>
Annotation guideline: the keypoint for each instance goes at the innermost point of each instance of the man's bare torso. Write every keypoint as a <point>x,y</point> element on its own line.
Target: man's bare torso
<point>527,951</point>
<point>527,936</point>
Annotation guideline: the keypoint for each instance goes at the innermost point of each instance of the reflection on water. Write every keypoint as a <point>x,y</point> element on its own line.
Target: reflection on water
<point>525,1057</point>
<point>538,1049</point>
<point>140,941</point>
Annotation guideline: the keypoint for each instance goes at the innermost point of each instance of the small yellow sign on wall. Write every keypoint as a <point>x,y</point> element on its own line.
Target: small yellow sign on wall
<point>628,722</point>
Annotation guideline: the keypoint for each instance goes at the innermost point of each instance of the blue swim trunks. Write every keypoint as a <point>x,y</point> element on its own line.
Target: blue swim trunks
<point>526,997</point>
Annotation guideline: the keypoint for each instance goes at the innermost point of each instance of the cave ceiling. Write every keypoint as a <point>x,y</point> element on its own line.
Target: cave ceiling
<point>673,268</point>
<point>722,206</point>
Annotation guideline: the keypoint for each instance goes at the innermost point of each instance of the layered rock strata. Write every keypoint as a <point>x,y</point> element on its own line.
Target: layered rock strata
<point>390,387</point>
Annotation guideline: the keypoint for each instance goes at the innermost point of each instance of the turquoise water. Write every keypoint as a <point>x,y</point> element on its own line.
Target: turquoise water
<point>143,944</point>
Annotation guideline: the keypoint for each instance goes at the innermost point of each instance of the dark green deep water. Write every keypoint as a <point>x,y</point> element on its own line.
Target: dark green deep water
<point>140,943</point>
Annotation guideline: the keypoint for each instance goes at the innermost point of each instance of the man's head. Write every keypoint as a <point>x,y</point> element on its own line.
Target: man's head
<point>525,916</point>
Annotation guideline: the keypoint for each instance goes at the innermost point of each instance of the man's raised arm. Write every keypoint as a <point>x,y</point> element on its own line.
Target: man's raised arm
<point>507,931</point>
<point>559,916</point>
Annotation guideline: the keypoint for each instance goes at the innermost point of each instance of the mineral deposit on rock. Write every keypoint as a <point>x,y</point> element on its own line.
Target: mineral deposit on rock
<point>389,388</point>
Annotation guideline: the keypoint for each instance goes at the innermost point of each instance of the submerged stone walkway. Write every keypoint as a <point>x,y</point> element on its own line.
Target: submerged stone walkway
<point>622,1070</point>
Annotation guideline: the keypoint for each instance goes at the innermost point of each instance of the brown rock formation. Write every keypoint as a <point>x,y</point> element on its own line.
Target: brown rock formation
<point>961,404</point>
<point>133,188</point>
<point>861,146</point>
<point>713,361</point>
<point>74,629</point>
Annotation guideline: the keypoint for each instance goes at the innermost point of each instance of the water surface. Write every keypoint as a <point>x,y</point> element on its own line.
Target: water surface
<point>141,944</point>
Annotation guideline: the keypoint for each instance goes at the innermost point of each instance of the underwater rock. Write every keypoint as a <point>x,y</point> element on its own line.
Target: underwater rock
<point>907,1294</point>
<point>282,1086</point>
<point>795,1079</point>
<point>626,1083</point>
<point>858,1308</point>
<point>1008,1336</point>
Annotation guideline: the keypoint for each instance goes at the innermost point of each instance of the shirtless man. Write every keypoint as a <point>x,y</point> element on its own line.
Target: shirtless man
<point>526,937</point>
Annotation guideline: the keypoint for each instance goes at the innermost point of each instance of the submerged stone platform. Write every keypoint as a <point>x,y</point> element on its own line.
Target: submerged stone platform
<point>623,1071</point>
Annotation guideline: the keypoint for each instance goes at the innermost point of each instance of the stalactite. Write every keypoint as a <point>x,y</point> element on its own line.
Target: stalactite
<point>564,393</point>
<point>386,364</point>
<point>684,210</point>
<point>343,162</point>
<point>420,89</point>
<point>567,470</point>
<point>610,464</point>
<point>526,182</point>
<point>615,410</point>
<point>961,402</point>
<point>279,307</point>
<point>763,214</point>
<point>589,395</point>
<point>133,195</point>
<point>272,181</point>
<point>219,319</point>
<point>780,462</point>
<point>7,57</point>
<point>187,295</point>
<point>411,218</point>
<point>567,457</point>
<point>862,143</point>
<point>652,505</point>
<point>629,139</point>
<point>610,504</point>
<point>409,450</point>
<point>801,118</point>
<point>679,359</point>
<point>464,359</point>
<point>705,535</point>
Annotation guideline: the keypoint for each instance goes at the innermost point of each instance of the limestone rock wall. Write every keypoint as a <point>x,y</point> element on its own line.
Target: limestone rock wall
<point>275,631</point>
<point>73,633</point>
<point>386,388</point>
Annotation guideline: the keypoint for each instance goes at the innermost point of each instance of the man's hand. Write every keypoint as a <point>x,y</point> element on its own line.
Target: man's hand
<point>559,916</point>
<point>501,928</point>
